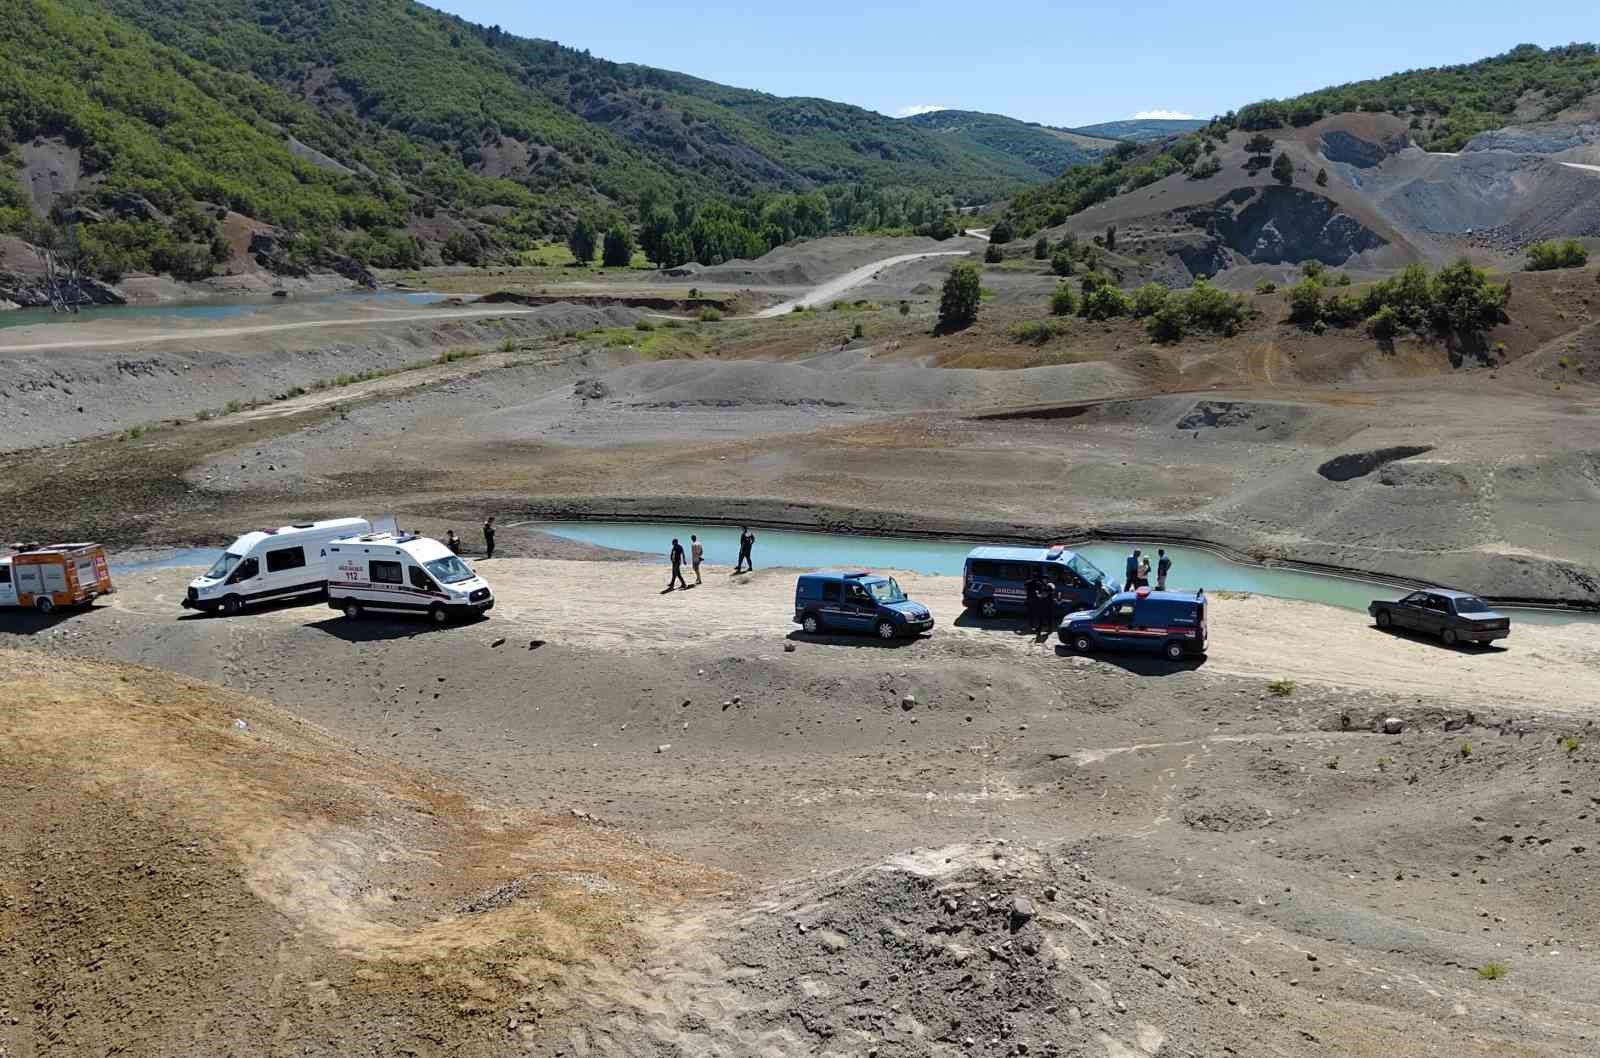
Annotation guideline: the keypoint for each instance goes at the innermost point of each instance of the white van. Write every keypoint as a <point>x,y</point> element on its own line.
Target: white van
<point>8,586</point>
<point>405,574</point>
<point>271,564</point>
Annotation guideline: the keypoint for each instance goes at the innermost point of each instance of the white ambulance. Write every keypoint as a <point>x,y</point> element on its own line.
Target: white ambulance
<point>403,573</point>
<point>271,564</point>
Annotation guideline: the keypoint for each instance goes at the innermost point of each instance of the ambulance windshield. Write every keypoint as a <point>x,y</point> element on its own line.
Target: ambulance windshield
<point>224,564</point>
<point>450,570</point>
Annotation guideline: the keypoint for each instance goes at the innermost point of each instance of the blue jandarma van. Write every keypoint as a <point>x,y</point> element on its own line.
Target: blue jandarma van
<point>996,579</point>
<point>857,602</point>
<point>1170,622</point>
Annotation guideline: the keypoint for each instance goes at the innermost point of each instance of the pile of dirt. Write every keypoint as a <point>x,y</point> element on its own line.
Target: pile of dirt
<point>182,861</point>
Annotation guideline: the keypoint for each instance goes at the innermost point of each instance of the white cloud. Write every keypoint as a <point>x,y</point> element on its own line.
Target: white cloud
<point>918,108</point>
<point>1162,115</point>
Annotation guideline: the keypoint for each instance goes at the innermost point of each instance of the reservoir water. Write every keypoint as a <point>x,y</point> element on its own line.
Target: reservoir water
<point>225,308</point>
<point>1191,567</point>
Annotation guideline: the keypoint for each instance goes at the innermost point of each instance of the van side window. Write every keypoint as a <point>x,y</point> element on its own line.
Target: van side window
<point>830,591</point>
<point>984,568</point>
<point>244,571</point>
<point>286,558</point>
<point>419,580</point>
<point>385,572</point>
<point>1013,571</point>
<point>5,574</point>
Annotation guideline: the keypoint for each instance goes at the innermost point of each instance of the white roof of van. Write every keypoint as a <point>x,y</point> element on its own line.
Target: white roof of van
<point>421,548</point>
<point>249,540</point>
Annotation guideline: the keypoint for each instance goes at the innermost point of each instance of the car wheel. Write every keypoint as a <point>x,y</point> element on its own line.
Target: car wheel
<point>1384,620</point>
<point>232,604</point>
<point>811,624</point>
<point>45,605</point>
<point>885,629</point>
<point>1174,651</point>
<point>989,609</point>
<point>1082,644</point>
<point>1448,637</point>
<point>352,609</point>
<point>438,614</point>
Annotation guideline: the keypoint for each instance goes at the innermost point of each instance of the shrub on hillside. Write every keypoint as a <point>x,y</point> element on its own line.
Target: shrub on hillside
<point>993,254</point>
<point>1167,323</point>
<point>1041,249</point>
<point>1322,178</point>
<point>1384,324</point>
<point>1104,302</point>
<point>1001,234</point>
<point>1464,299</point>
<point>1205,168</point>
<point>1063,302</point>
<point>1342,309</point>
<point>1209,308</point>
<point>1061,263</point>
<point>1547,255</point>
<point>1305,301</point>
<point>1283,169</point>
<point>1149,299</point>
<point>958,303</point>
<point>581,239</point>
<point>1266,286</point>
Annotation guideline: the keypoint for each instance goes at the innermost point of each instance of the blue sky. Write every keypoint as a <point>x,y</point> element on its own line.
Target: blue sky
<point>1057,63</point>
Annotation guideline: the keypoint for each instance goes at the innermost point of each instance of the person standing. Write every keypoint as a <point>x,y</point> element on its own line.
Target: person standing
<point>1143,580</point>
<point>697,555</point>
<point>1041,603</point>
<point>677,566</point>
<point>747,543</point>
<point>1130,578</point>
<point>1163,567</point>
<point>488,537</point>
<point>452,541</point>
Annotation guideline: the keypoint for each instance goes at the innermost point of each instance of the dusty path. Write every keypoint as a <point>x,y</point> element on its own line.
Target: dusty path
<point>619,606</point>
<point>1580,165</point>
<point>183,335</point>
<point>834,287</point>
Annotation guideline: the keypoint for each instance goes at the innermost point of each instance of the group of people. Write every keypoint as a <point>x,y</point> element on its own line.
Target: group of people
<point>697,556</point>
<point>453,542</point>
<point>1137,570</point>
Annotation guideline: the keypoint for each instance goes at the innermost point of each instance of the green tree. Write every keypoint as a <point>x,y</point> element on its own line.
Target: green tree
<point>618,249</point>
<point>1384,324</point>
<point>1167,323</point>
<point>1103,302</point>
<point>1041,249</point>
<point>1305,302</point>
<point>1111,237</point>
<point>958,303</point>
<point>1211,308</point>
<point>581,240</point>
<point>1061,263</point>
<point>1547,255</point>
<point>1259,145</point>
<point>654,227</point>
<point>1465,301</point>
<point>1001,233</point>
<point>1062,302</point>
<point>992,254</point>
<point>1205,168</point>
<point>1283,169</point>
<point>1148,300</point>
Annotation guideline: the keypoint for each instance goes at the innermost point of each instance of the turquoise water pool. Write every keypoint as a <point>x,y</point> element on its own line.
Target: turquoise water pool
<point>1191,567</point>
<point>217,309</point>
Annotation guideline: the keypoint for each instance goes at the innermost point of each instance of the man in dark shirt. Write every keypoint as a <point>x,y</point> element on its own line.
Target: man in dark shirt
<point>1131,580</point>
<point>1041,604</point>
<point>747,542</point>
<point>677,566</point>
<point>1163,567</point>
<point>488,537</point>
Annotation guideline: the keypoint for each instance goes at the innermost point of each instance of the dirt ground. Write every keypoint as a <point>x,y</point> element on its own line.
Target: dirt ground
<point>611,821</point>
<point>1205,863</point>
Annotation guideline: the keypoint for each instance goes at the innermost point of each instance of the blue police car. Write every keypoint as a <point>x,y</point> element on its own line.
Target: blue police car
<point>857,602</point>
<point>1172,623</point>
<point>995,579</point>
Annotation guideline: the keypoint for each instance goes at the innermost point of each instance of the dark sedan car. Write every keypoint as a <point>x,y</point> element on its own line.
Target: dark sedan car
<point>1453,616</point>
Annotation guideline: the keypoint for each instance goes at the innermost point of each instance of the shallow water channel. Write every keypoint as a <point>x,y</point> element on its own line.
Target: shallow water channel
<point>1191,567</point>
<point>222,308</point>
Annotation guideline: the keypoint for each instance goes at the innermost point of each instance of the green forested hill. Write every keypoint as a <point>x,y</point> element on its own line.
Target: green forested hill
<point>1049,152</point>
<point>359,119</point>
<point>1450,104</point>
<point>536,110</point>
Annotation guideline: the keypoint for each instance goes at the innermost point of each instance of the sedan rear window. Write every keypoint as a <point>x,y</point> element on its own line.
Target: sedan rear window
<point>1471,604</point>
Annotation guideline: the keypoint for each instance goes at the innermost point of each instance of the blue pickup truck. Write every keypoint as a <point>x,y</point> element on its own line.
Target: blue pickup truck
<point>832,601</point>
